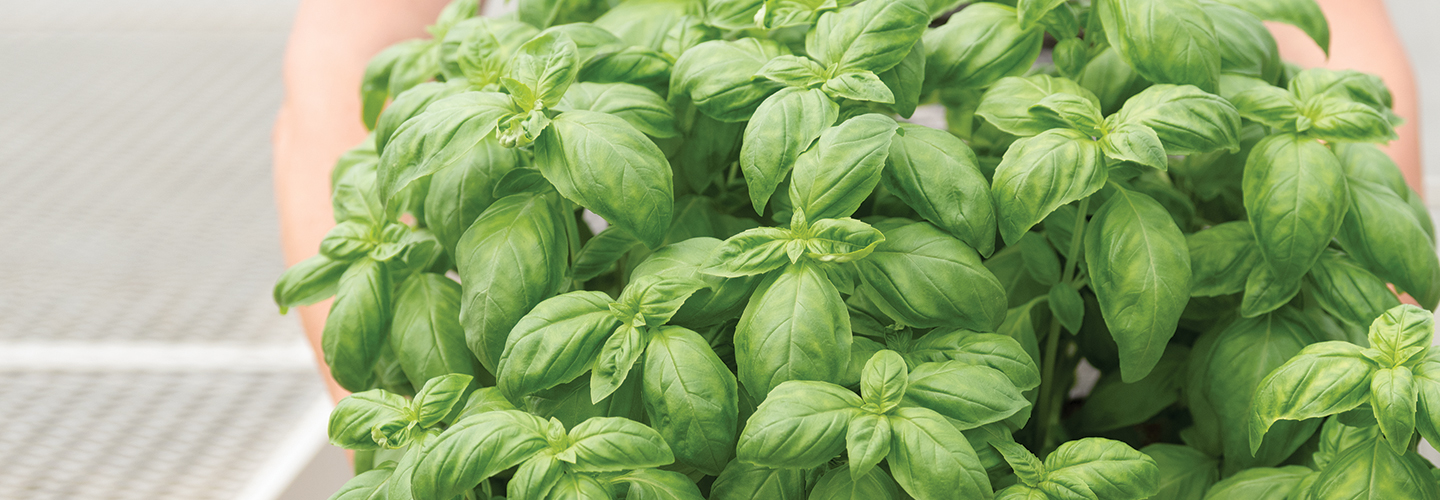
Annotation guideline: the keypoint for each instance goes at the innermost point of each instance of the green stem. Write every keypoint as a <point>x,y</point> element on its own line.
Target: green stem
<point>1046,402</point>
<point>1075,238</point>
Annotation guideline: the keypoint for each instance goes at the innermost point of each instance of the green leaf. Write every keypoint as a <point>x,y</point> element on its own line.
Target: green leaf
<point>799,116</point>
<point>1039,174</point>
<point>1402,332</point>
<point>652,300</point>
<point>1006,105</point>
<point>1347,291</point>
<point>1221,258</point>
<point>1139,267</point>
<point>1374,471</point>
<point>375,84</point>
<point>1265,291</point>
<point>357,324</point>
<point>474,449</point>
<point>309,281</point>
<point>372,484</point>
<point>1030,470</point>
<point>801,424</point>
<point>1067,306</point>
<point>838,240</point>
<point>1063,110</point>
<point>1336,119</point>
<point>1381,232</point>
<point>742,481</point>
<point>834,176</point>
<point>439,397</point>
<point>542,69</point>
<point>606,444</point>
<point>1103,469</point>
<point>968,395</point>
<point>1030,11</point>
<point>1393,395</point>
<point>867,441</point>
<point>478,50</point>
<point>841,483</point>
<point>906,79</point>
<point>978,46</point>
<point>980,349</point>
<point>635,190</point>
<point>425,334</point>
<point>1114,404</point>
<point>652,484</point>
<point>718,77</point>
<point>925,278</point>
<point>580,487</point>
<point>356,415</point>
<point>1303,14</point>
<point>793,71</point>
<point>641,66</point>
<point>461,192</point>
<point>554,343</point>
<point>871,36</point>
<point>789,13</point>
<point>1110,78</point>
<point>794,328</point>
<point>599,254</point>
<point>1260,483</point>
<point>1185,473</point>
<point>1166,41</point>
<point>445,134</point>
<point>1246,45</point>
<point>931,459</point>
<point>754,251</point>
<point>691,398</point>
<point>1295,196</point>
<point>613,362</point>
<point>1272,106</point>
<point>859,86</point>
<point>1349,85</point>
<point>1187,119</point>
<point>646,22</point>
<point>517,241</point>
<point>1135,143</point>
<point>485,399</point>
<point>348,240</point>
<point>535,478</point>
<point>1040,259</point>
<point>1323,379</point>
<point>883,382</point>
<point>642,108</point>
<point>937,175</point>
<point>724,299</point>
<point>1367,162</point>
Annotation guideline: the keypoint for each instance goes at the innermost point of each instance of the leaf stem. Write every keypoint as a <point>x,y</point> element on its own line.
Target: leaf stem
<point>1046,402</point>
<point>1075,238</point>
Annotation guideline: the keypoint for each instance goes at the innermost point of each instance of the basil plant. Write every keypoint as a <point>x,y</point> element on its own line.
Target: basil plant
<point>800,293</point>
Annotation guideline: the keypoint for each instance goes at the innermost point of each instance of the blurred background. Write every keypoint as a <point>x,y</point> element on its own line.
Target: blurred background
<point>140,353</point>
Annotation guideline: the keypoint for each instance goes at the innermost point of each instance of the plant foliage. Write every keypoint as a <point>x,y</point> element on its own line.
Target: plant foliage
<point>801,294</point>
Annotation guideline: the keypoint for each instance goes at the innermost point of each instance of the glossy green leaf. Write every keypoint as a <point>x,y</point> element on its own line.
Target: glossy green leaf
<point>1347,291</point>
<point>555,342</point>
<point>1167,41</point>
<point>968,395</point>
<point>1041,173</point>
<point>1303,14</point>
<point>309,281</point>
<point>1373,471</point>
<point>614,444</point>
<point>1295,198</point>
<point>1007,103</point>
<point>742,481</point>
<point>1259,483</point>
<point>474,449</point>
<point>1380,231</point>
<point>425,334</point>
<point>635,192</point>
<point>355,416</point>
<point>996,351</point>
<point>1246,45</point>
<point>1221,258</point>
<point>842,484</point>
<point>691,398</point>
<point>1401,332</point>
<point>925,278</point>
<point>1137,143</point>
<point>835,175</point>
<point>1323,379</point>
<point>874,35</point>
<point>931,460</point>
<point>794,328</point>
<point>1393,394</point>
<point>1185,473</point>
<point>801,424</point>
<point>614,361</point>
<point>766,156</point>
<point>358,322</point>
<point>445,134</point>
<point>867,442</point>
<point>642,108</point>
<point>1186,119</point>
<point>718,77</point>
<point>653,484</point>
<point>1139,268</point>
<point>883,382</point>
<point>978,46</point>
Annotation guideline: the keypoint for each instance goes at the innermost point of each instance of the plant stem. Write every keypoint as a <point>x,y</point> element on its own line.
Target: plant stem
<point>1046,402</point>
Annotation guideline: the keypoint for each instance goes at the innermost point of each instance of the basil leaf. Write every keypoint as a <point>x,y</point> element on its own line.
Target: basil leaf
<point>375,85</point>
<point>754,251</point>
<point>1139,267</point>
<point>1006,104</point>
<point>873,36</point>
<point>883,382</point>
<point>1040,259</point>
<point>414,67</point>
<point>968,395</point>
<point>634,192</point>
<point>1221,258</point>
<point>580,487</point>
<point>788,13</point>
<point>446,133</point>
<point>1336,119</point>
<point>1039,174</point>
<point>1286,176</point>
<point>615,359</point>
<point>691,398</point>
<point>996,351</point>
<point>1187,120</point>
<point>905,80</point>
<point>1323,379</point>
<point>535,478</point>
<point>732,14</point>
<point>742,481</point>
<point>439,397</point>
<point>1166,41</point>
<point>642,66</point>
<point>1107,469</point>
<point>546,13</point>
<point>357,324</point>
<point>801,424</point>
<point>1069,111</point>
<point>1135,143</point>
<point>1272,106</point>
<point>648,484</point>
<point>937,175</point>
<point>1347,291</point>
<point>1246,45</point>
<point>978,46</point>
<point>832,178</point>
<point>1185,473</point>
<point>357,414</point>
<point>474,449</point>
<point>1380,231</point>
<point>367,485</point>
<point>460,193</point>
<point>1266,291</point>
<point>842,483</point>
<point>614,444</point>
<point>1392,396</point>
<point>859,86</point>
<point>1260,483</point>
<point>478,50</point>
<point>426,334</point>
<point>307,282</point>
<point>931,459</point>
<point>723,299</point>
<point>642,108</point>
<point>1356,473</point>
<point>409,105</point>
<point>1110,78</point>
<point>1303,14</point>
<point>518,240</point>
<point>718,77</point>
<point>1366,162</point>
<point>925,278</point>
<point>645,22</point>
<point>1067,306</point>
<point>554,343</point>
<point>867,442</point>
<point>1348,85</point>
<point>794,328</point>
<point>766,156</point>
